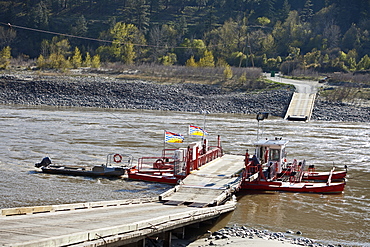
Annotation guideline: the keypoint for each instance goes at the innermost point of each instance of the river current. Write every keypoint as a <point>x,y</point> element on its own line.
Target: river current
<point>86,136</point>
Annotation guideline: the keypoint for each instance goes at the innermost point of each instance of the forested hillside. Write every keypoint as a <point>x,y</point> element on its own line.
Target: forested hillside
<point>286,35</point>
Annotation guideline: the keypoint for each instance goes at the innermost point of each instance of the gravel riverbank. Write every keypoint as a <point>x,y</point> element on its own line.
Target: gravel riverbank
<point>239,236</point>
<point>109,92</point>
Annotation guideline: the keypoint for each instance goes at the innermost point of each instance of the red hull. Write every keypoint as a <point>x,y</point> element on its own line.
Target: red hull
<point>294,187</point>
<point>167,179</point>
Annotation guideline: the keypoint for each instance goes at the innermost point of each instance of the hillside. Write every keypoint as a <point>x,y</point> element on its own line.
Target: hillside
<point>286,35</point>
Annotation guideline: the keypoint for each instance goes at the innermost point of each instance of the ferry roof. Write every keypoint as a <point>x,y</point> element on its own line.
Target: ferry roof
<point>274,142</point>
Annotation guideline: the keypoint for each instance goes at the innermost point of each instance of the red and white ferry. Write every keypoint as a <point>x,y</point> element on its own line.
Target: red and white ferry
<point>175,164</point>
<point>269,170</point>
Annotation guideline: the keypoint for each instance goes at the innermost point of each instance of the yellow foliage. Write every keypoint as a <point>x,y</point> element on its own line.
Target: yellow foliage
<point>87,62</point>
<point>95,63</point>
<point>41,62</point>
<point>207,60</point>
<point>5,57</point>
<point>76,58</point>
<point>191,62</point>
<point>243,78</point>
<point>57,61</point>
<point>228,73</point>
<point>169,59</point>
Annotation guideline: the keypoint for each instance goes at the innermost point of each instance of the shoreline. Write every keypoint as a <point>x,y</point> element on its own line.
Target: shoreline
<point>107,91</point>
<point>243,236</point>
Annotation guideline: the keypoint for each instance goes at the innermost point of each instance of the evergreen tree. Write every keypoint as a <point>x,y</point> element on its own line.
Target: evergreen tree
<point>351,38</point>
<point>181,27</point>
<point>80,27</point>
<point>307,11</point>
<point>271,11</point>
<point>140,15</point>
<point>154,6</point>
<point>39,15</point>
<point>284,12</point>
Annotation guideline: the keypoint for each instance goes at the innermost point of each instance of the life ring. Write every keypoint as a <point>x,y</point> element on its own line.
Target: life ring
<point>159,164</point>
<point>117,158</point>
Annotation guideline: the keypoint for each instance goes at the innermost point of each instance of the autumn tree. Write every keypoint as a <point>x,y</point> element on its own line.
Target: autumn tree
<point>76,60</point>
<point>191,62</point>
<point>5,57</point>
<point>87,62</point>
<point>189,48</point>
<point>95,63</point>
<point>207,60</point>
<point>126,44</point>
<point>364,63</point>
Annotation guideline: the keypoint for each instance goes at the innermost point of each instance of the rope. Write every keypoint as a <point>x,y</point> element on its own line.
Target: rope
<point>93,39</point>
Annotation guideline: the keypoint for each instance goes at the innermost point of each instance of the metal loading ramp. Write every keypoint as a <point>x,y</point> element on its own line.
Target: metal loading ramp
<point>300,107</point>
<point>211,185</point>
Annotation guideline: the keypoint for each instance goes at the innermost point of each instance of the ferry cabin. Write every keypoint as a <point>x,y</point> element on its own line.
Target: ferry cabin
<point>271,153</point>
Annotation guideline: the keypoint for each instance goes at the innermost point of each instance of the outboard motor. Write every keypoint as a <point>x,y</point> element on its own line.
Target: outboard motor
<point>44,162</point>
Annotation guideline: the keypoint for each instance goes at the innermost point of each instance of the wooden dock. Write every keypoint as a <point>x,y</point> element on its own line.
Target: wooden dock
<point>300,107</point>
<point>203,195</point>
<point>211,184</point>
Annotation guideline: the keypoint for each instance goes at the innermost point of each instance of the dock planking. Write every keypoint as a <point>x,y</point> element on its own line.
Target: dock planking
<point>88,227</point>
<point>203,195</point>
<point>211,184</point>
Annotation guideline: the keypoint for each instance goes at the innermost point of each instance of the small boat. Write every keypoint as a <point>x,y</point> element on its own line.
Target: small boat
<point>302,187</point>
<point>116,166</point>
<point>269,170</point>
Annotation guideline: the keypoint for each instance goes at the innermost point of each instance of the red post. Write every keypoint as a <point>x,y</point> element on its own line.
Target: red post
<point>246,160</point>
<point>188,161</point>
<point>196,163</point>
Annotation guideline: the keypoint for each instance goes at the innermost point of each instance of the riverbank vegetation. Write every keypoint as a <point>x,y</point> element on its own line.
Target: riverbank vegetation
<point>286,35</point>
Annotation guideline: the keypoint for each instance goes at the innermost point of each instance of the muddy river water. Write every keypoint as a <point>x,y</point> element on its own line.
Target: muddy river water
<point>86,136</point>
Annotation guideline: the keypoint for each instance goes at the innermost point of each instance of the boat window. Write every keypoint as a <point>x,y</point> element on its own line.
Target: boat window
<point>260,153</point>
<point>275,154</point>
<point>284,153</point>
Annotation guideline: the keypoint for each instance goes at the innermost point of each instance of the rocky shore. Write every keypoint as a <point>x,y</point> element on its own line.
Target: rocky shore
<point>110,92</point>
<point>238,236</point>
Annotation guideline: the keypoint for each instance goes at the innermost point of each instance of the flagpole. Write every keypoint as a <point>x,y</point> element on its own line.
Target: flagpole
<point>164,140</point>
<point>204,123</point>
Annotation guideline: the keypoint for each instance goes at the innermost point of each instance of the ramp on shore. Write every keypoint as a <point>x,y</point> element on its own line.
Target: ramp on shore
<point>300,107</point>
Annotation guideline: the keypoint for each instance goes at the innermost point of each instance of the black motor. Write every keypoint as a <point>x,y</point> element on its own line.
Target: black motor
<point>44,162</point>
